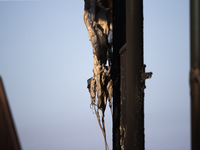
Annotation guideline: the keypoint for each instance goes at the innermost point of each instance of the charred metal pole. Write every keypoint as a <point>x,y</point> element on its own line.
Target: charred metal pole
<point>195,72</point>
<point>134,128</point>
<point>119,39</point>
<point>130,108</point>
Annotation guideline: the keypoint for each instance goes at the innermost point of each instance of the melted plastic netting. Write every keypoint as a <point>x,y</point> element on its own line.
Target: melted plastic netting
<point>98,21</point>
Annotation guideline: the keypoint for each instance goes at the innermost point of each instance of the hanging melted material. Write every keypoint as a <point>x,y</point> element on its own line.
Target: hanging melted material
<point>98,20</point>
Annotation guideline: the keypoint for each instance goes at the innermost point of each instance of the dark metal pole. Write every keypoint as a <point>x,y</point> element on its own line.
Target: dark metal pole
<point>195,73</point>
<point>195,32</point>
<point>119,39</point>
<point>134,139</point>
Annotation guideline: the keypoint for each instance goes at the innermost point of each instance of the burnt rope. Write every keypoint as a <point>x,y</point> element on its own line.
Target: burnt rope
<point>102,126</point>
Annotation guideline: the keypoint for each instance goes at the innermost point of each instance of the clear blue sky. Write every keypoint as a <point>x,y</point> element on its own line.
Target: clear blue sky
<point>46,58</point>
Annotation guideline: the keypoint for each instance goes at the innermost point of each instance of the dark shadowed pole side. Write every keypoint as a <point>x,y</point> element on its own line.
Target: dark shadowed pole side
<point>119,39</point>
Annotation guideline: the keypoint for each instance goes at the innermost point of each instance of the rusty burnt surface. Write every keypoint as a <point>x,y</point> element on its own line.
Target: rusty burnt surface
<point>132,80</point>
<point>8,135</point>
<point>123,102</point>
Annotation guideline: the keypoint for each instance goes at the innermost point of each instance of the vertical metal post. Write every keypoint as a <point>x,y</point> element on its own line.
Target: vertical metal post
<point>195,32</point>
<point>128,120</point>
<point>119,39</point>
<point>134,138</point>
<point>195,73</point>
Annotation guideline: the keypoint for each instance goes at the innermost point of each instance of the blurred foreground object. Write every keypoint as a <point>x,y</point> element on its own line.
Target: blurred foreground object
<point>8,135</point>
<point>195,73</point>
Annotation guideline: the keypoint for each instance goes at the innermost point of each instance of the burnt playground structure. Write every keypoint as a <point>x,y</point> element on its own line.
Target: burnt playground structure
<point>115,30</point>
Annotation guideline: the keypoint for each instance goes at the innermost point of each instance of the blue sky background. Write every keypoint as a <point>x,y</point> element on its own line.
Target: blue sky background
<point>46,58</point>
